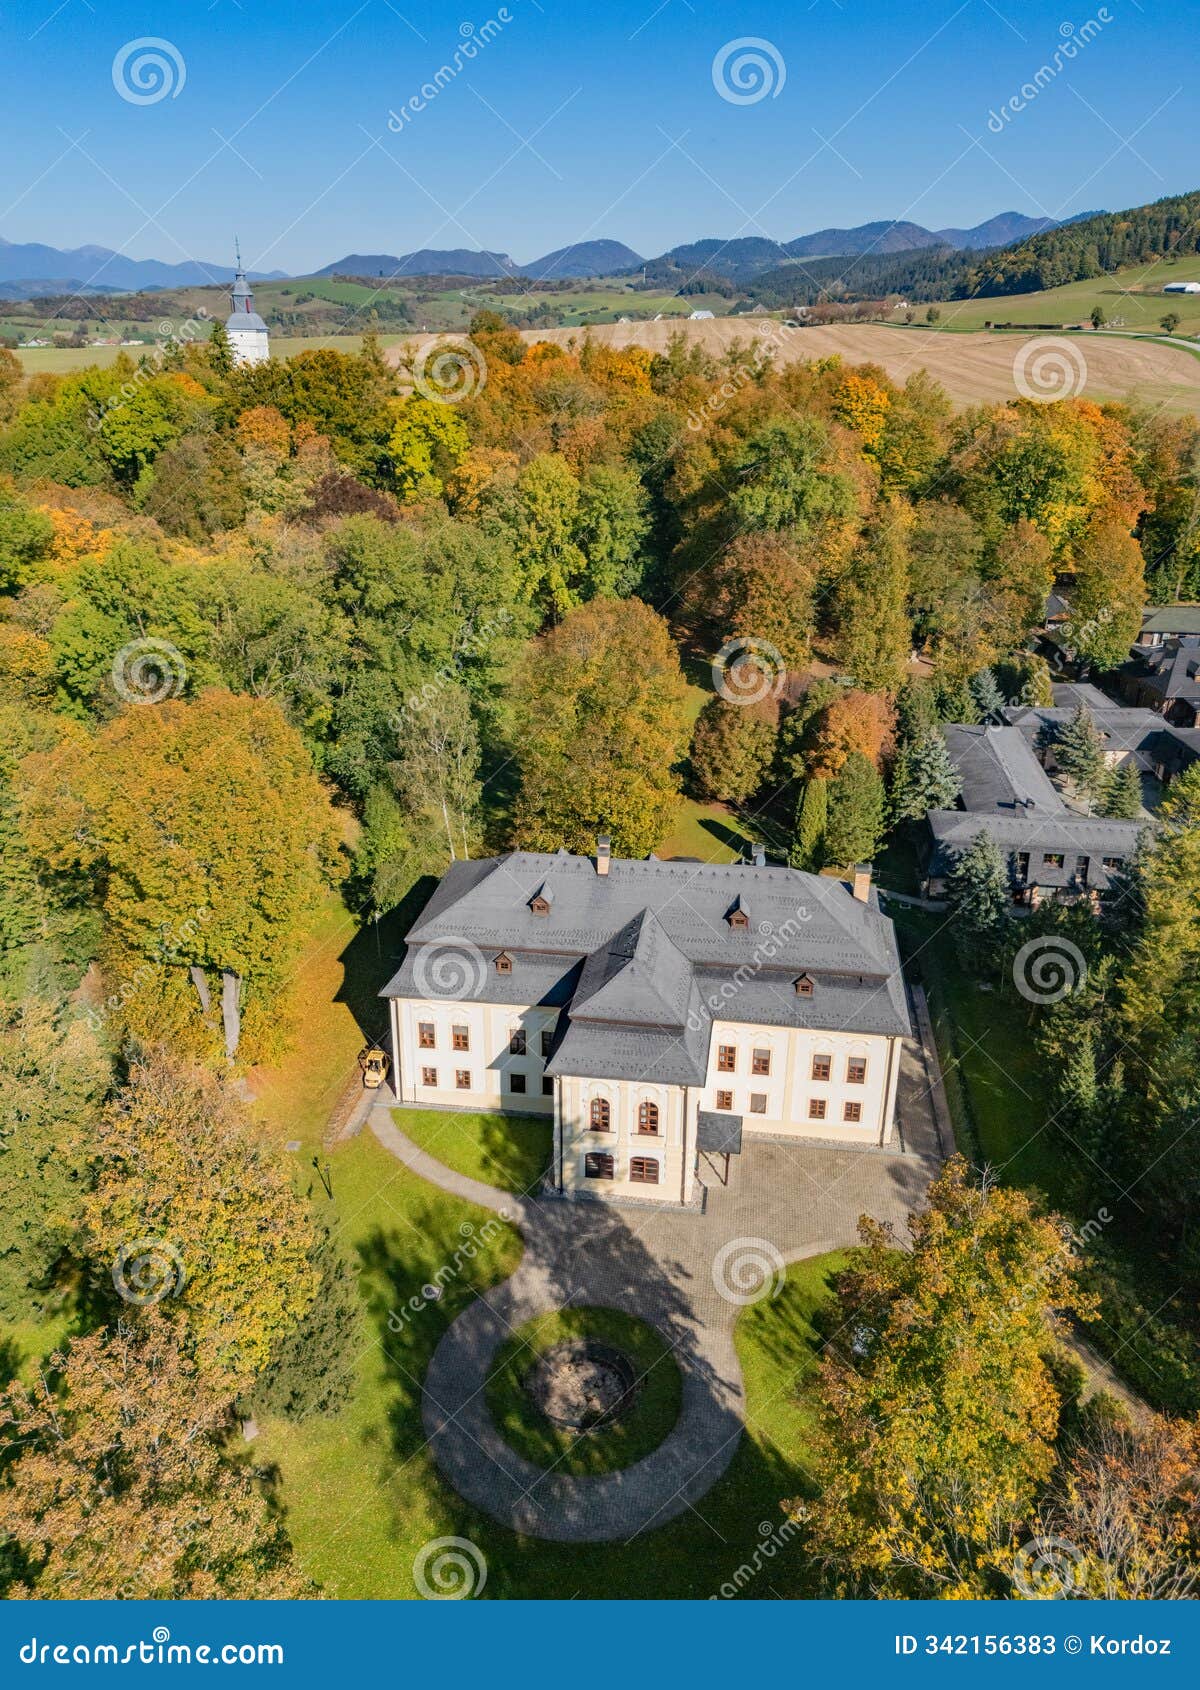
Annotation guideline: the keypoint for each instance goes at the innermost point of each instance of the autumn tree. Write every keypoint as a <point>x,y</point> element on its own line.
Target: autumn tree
<point>192,1208</point>
<point>599,722</point>
<point>939,1410</point>
<point>759,587</point>
<point>427,444</point>
<point>732,748</point>
<point>874,634</point>
<point>117,1485</point>
<point>210,838</point>
<point>1107,591</point>
<point>852,720</point>
<point>436,774</point>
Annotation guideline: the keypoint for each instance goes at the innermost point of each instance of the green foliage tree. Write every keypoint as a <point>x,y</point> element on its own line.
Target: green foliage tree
<point>854,828</point>
<point>53,1078</point>
<point>436,773</point>
<point>812,814</point>
<point>427,444</point>
<point>1099,316</point>
<point>977,889</point>
<point>732,748</point>
<point>780,478</point>
<point>1123,793</point>
<point>314,1366</point>
<point>985,690</point>
<point>923,777</point>
<point>871,605</point>
<point>25,535</point>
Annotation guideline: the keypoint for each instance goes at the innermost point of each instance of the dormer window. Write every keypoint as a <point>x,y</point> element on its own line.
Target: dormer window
<point>504,963</point>
<point>541,901</point>
<point>805,985</point>
<point>738,916</point>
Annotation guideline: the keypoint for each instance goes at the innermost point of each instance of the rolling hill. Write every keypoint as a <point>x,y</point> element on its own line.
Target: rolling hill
<point>96,269</point>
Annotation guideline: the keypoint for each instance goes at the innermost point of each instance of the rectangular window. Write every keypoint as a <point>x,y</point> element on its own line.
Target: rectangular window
<point>816,1108</point>
<point>425,1035</point>
<point>547,1085</point>
<point>758,1102</point>
<point>852,1112</point>
<point>724,1100</point>
<point>516,1042</point>
<point>429,1076</point>
<point>760,1062</point>
<point>822,1067</point>
<point>726,1059</point>
<point>643,1170</point>
<point>1053,859</point>
<point>547,1041</point>
<point>460,1038</point>
<point>1112,862</point>
<point>856,1070</point>
<point>516,1083</point>
<point>598,1164</point>
<point>462,1079</point>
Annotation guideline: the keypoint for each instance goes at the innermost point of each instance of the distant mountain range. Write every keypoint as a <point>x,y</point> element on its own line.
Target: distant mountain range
<point>96,269</point>
<point>30,270</point>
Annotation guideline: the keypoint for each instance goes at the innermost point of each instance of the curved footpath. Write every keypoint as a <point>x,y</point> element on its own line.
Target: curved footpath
<point>687,1274</point>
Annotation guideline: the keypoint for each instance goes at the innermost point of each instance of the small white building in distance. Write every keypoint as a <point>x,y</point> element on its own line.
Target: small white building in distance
<point>1182,287</point>
<point>248,340</point>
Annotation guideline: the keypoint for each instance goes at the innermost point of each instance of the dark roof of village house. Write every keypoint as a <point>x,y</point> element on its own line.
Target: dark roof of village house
<point>645,957</point>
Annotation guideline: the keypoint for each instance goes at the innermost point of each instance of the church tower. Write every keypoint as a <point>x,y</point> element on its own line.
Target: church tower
<point>246,330</point>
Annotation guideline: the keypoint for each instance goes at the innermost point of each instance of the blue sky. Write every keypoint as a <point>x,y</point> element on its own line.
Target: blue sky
<point>577,121</point>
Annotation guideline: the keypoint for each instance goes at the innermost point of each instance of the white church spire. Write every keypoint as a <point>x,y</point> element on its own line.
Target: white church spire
<point>248,340</point>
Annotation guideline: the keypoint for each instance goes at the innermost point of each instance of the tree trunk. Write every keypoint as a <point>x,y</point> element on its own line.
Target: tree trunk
<point>200,981</point>
<point>231,990</point>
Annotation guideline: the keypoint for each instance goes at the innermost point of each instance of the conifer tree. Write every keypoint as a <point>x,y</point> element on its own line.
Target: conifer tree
<point>854,828</point>
<point>1123,793</point>
<point>923,778</point>
<point>812,814</point>
<point>977,888</point>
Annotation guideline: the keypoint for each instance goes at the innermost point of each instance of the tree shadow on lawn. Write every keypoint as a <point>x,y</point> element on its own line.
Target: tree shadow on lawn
<point>596,1259</point>
<point>372,957</point>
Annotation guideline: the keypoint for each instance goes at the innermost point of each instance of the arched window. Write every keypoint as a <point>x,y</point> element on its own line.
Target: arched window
<point>643,1170</point>
<point>599,1115</point>
<point>648,1117</point>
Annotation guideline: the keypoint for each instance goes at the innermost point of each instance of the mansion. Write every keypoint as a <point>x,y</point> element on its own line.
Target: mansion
<point>655,1010</point>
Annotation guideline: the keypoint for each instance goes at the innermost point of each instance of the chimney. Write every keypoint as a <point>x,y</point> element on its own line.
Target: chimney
<point>603,853</point>
<point>758,854</point>
<point>861,884</point>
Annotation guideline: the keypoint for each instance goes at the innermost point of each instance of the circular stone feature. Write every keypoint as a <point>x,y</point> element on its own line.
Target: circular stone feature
<point>583,1384</point>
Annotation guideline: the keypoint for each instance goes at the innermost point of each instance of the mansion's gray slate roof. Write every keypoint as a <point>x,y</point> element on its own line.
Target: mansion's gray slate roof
<point>998,770</point>
<point>645,958</point>
<point>1168,671</point>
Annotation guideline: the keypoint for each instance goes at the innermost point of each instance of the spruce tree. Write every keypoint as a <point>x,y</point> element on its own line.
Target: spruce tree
<point>977,887</point>
<point>856,803</point>
<point>923,778</point>
<point>812,813</point>
<point>312,1370</point>
<point>985,690</point>
<point>1079,751</point>
<point>220,353</point>
<point>1123,794</point>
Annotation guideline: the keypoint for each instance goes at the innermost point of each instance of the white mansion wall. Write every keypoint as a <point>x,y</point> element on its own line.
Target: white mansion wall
<point>488,1061</point>
<point>623,1141</point>
<point>788,1096</point>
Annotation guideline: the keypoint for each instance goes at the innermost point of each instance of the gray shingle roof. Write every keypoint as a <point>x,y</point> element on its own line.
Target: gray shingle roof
<point>1171,619</point>
<point>998,770</point>
<point>646,958</point>
<point>1064,833</point>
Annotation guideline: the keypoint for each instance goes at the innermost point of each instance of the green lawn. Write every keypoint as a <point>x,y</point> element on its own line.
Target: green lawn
<point>509,1151</point>
<point>361,1495</point>
<point>1132,300</point>
<point>648,1420</point>
<point>711,832</point>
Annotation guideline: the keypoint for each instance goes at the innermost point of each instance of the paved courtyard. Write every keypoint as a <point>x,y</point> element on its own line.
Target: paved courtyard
<point>688,1274</point>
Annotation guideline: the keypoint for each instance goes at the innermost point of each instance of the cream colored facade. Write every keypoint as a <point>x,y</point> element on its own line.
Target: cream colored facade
<point>468,1055</point>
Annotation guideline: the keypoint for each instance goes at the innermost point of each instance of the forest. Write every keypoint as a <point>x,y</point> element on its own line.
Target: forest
<point>322,626</point>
